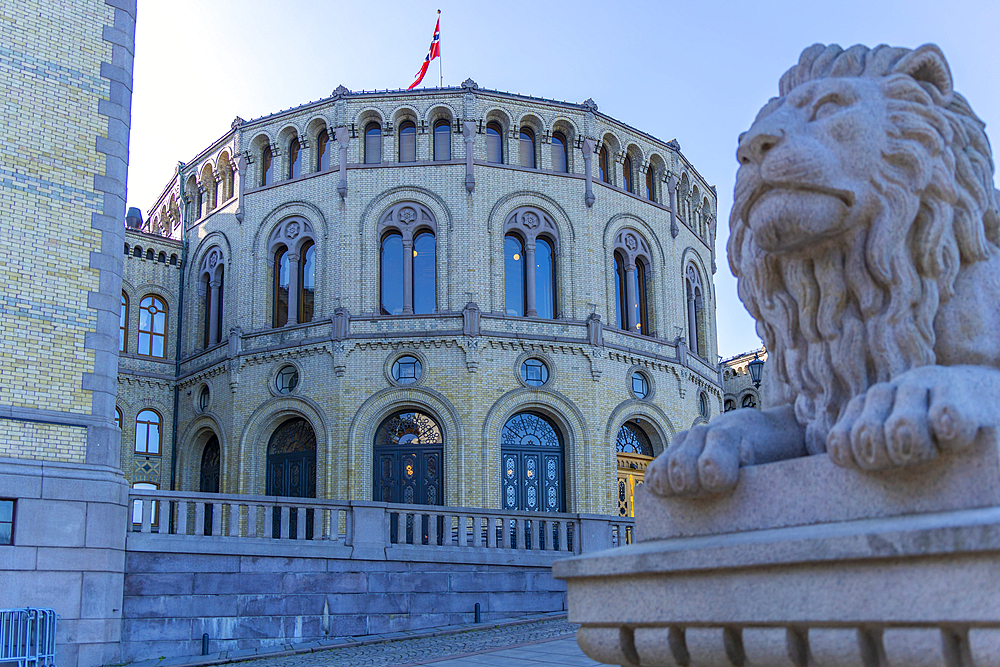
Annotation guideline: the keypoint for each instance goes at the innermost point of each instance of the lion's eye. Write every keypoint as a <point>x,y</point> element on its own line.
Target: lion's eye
<point>826,108</point>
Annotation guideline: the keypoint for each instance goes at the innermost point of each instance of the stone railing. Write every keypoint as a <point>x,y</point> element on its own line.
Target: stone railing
<point>215,523</point>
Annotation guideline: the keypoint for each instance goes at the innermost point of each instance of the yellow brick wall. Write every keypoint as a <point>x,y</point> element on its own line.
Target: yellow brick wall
<point>51,442</point>
<point>50,63</point>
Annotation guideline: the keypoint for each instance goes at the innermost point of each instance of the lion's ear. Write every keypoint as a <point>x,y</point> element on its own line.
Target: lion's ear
<point>927,63</point>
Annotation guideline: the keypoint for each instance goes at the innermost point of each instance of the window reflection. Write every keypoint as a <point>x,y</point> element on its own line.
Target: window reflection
<point>392,274</point>
<point>527,143</point>
<point>294,159</point>
<point>373,143</point>
<point>307,283</point>
<point>424,298</point>
<point>442,140</point>
<point>323,150</point>
<point>544,279</point>
<point>494,143</point>
<point>281,287</point>
<point>514,275</point>
<point>407,142</point>
<point>559,161</point>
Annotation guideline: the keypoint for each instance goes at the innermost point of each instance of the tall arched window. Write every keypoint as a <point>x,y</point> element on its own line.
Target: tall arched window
<point>153,327</point>
<point>307,282</point>
<point>631,273</point>
<point>294,159</point>
<point>621,314</point>
<point>602,164</point>
<point>695,305</point>
<point>545,279</point>
<point>627,173</point>
<point>281,284</point>
<point>266,160</point>
<point>527,147</point>
<point>531,458</point>
<point>424,274</point>
<point>148,436</point>
<point>513,275</point>
<point>494,143</point>
<point>641,321</point>
<point>407,141</point>
<point>749,401</point>
<point>408,271</point>
<point>650,190</point>
<point>391,274</point>
<point>442,140</point>
<point>560,162</point>
<point>373,143</point>
<point>323,151</point>
<point>211,291</point>
<point>122,323</point>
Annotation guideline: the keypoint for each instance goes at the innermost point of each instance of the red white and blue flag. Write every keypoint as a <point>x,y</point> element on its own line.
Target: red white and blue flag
<point>432,53</point>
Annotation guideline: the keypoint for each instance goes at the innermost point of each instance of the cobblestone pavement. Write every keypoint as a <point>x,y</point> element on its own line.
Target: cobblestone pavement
<point>531,644</point>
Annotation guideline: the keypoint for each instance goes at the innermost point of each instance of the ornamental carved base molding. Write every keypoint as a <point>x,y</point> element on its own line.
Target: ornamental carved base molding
<point>805,564</point>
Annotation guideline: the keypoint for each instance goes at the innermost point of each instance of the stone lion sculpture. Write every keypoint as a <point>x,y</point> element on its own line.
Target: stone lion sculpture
<point>865,238</point>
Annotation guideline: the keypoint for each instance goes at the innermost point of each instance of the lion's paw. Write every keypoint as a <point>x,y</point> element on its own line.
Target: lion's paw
<point>911,419</point>
<point>705,460</point>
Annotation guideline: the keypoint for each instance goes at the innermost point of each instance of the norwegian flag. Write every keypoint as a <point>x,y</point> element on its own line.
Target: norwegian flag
<point>432,53</point>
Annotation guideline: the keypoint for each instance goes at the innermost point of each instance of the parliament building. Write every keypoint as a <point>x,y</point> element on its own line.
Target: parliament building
<point>447,296</point>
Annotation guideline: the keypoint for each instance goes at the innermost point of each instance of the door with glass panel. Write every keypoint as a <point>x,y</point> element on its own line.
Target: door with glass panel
<point>291,472</point>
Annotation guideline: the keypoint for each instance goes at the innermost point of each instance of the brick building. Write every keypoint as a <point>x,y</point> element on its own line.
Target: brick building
<point>451,296</point>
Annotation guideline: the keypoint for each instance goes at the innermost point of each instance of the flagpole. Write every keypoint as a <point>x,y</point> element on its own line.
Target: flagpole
<point>440,75</point>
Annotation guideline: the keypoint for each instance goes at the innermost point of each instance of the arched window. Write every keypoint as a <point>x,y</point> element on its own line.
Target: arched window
<point>650,190</point>
<point>730,405</point>
<point>408,455</point>
<point>641,321</point>
<point>513,275</point>
<point>695,306</point>
<point>294,159</point>
<point>442,140</point>
<point>527,147</point>
<point>391,274</point>
<point>633,440</point>
<point>153,327</point>
<point>602,164</point>
<point>122,323</point>
<point>407,141</point>
<point>148,436</point>
<point>424,274</point>
<point>494,143</point>
<point>531,457</point>
<point>211,307</point>
<point>211,472</point>
<point>545,279</point>
<point>373,143</point>
<point>323,151</point>
<point>621,312</point>
<point>266,160</point>
<point>307,282</point>
<point>118,417</point>
<point>749,401</point>
<point>281,283</point>
<point>627,173</point>
<point>560,162</point>
<point>633,453</point>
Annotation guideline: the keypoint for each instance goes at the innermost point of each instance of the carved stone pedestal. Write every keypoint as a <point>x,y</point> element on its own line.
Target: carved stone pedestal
<point>805,564</point>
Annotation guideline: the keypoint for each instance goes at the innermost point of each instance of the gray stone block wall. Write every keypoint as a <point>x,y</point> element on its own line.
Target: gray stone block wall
<point>171,599</point>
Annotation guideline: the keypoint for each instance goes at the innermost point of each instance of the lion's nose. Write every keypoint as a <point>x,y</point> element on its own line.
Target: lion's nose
<point>754,146</point>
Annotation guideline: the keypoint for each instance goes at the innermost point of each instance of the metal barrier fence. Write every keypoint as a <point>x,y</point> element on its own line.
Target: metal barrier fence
<point>28,637</point>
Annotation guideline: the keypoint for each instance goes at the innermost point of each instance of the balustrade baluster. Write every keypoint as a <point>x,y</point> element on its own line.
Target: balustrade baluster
<point>536,534</point>
<point>147,515</point>
<point>491,532</point>
<point>182,517</point>
<point>563,543</point>
<point>285,525</point>
<point>432,529</point>
<point>199,518</point>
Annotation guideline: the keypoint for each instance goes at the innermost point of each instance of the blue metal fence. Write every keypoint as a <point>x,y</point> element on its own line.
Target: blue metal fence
<point>28,637</point>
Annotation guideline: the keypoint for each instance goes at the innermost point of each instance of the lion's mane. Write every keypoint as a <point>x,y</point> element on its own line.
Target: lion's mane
<point>877,289</point>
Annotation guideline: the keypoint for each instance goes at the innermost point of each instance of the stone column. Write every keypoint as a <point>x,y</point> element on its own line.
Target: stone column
<point>530,307</point>
<point>293,288</point>
<point>672,189</point>
<point>630,297</point>
<point>343,139</point>
<point>407,275</point>
<point>213,314</point>
<point>469,134</point>
<point>588,170</point>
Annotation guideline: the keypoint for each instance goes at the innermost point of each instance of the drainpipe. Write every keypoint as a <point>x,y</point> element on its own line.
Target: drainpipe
<point>177,346</point>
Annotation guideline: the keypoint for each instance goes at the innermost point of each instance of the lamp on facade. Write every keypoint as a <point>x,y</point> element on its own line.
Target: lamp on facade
<point>755,367</point>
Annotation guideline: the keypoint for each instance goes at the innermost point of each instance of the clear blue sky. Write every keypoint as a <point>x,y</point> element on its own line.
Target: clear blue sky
<point>694,71</point>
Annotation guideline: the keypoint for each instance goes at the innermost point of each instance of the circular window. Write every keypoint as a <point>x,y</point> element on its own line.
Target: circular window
<point>640,385</point>
<point>534,372</point>
<point>286,380</point>
<point>703,405</point>
<point>406,370</point>
<point>203,396</point>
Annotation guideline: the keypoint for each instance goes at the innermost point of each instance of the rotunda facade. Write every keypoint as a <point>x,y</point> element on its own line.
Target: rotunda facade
<point>444,296</point>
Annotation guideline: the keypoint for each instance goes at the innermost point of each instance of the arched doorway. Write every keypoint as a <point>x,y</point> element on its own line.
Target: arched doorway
<point>291,470</point>
<point>211,459</point>
<point>531,453</point>
<point>634,452</point>
<point>408,452</point>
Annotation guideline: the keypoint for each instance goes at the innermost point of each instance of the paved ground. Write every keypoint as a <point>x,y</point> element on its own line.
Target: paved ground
<point>528,642</point>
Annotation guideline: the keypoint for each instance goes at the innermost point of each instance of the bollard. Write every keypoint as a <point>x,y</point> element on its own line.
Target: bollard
<point>479,618</point>
<point>204,644</point>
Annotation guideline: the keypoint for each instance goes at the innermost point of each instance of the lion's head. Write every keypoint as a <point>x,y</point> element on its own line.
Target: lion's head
<point>863,190</point>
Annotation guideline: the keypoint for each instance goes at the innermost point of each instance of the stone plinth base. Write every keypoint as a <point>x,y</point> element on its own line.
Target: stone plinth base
<point>848,569</point>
